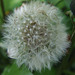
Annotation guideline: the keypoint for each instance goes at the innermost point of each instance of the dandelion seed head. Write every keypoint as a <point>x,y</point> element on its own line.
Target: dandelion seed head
<point>35,35</point>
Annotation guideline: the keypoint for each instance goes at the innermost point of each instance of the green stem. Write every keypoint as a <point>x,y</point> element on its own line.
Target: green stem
<point>3,10</point>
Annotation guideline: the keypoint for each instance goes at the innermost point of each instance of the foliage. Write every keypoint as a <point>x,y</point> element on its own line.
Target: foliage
<point>46,72</point>
<point>14,70</point>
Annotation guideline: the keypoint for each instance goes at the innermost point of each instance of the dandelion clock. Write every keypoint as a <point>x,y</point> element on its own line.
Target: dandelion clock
<point>35,35</point>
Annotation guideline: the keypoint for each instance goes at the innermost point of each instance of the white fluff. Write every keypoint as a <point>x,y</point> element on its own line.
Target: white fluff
<point>35,35</point>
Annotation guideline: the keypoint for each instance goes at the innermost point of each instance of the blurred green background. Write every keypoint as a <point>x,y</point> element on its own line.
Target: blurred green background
<point>66,66</point>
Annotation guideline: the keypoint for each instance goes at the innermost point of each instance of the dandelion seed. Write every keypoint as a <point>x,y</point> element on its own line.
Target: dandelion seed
<point>30,29</point>
<point>26,26</point>
<point>33,26</point>
<point>24,30</point>
<point>28,34</point>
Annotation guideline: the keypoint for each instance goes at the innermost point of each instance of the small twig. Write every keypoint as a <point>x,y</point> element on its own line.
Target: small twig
<point>3,10</point>
<point>73,27</point>
<point>73,34</point>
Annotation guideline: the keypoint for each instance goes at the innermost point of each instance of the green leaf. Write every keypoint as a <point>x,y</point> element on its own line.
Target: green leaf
<point>46,72</point>
<point>74,19</point>
<point>15,70</point>
<point>61,4</point>
<point>52,1</point>
<point>67,72</point>
<point>10,4</point>
<point>67,3</point>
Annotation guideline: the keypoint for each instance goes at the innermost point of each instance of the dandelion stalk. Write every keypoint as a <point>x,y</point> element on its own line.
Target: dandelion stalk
<point>3,10</point>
